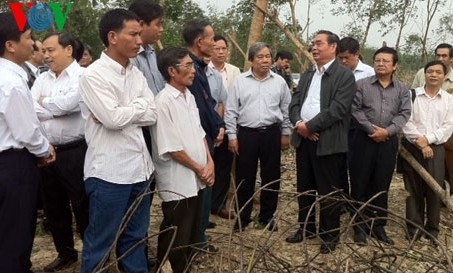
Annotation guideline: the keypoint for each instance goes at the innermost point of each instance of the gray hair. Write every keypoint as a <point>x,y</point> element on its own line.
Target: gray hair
<point>257,47</point>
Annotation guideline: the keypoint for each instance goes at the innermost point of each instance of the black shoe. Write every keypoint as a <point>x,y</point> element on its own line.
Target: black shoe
<point>380,235</point>
<point>326,248</point>
<point>295,238</point>
<point>360,238</point>
<point>225,214</point>
<point>152,262</point>
<point>60,263</point>
<point>211,225</point>
<point>413,236</point>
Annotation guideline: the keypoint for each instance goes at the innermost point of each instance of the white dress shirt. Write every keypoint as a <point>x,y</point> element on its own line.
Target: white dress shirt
<point>363,71</point>
<point>59,112</point>
<point>19,126</point>
<point>178,128</point>
<point>312,104</point>
<point>431,117</point>
<point>117,102</point>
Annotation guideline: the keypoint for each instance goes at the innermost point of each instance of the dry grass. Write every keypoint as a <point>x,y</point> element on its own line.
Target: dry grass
<point>263,251</point>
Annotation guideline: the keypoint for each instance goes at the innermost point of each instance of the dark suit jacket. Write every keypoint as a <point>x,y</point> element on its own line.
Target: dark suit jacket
<point>338,88</point>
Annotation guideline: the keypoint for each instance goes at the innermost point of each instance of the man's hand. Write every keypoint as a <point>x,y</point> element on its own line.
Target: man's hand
<point>427,152</point>
<point>285,142</point>
<point>313,137</point>
<point>44,161</point>
<point>207,175</point>
<point>380,134</point>
<point>301,129</point>
<point>41,98</point>
<point>219,139</point>
<point>421,142</point>
<point>233,146</point>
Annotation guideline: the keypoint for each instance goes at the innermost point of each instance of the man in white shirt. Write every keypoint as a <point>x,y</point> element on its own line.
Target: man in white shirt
<point>117,103</point>
<point>222,157</point>
<point>32,65</point>
<point>183,161</point>
<point>56,97</point>
<point>428,128</point>
<point>21,143</point>
<point>349,56</point>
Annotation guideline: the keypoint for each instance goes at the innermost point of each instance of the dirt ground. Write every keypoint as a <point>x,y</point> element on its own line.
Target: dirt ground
<point>264,251</point>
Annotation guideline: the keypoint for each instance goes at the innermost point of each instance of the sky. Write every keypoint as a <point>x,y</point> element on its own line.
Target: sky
<point>323,19</point>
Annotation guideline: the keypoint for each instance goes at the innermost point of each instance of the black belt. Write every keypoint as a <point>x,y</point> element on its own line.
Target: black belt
<point>70,145</point>
<point>13,150</point>
<point>261,129</point>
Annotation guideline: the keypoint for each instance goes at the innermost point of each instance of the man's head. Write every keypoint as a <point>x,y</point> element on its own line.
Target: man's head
<point>199,37</point>
<point>260,58</point>
<point>385,61</point>
<point>37,57</point>
<point>282,59</point>
<point>176,67</point>
<point>151,17</point>
<point>324,47</point>
<point>15,45</point>
<point>87,56</point>
<point>119,30</point>
<point>435,72</point>
<point>349,52</point>
<point>220,52</point>
<point>60,50</point>
<point>444,53</point>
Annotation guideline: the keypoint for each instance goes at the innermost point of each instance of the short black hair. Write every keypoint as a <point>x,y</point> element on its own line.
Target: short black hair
<point>193,29</point>
<point>283,54</point>
<point>113,20</point>
<point>66,39</point>
<point>332,38</point>
<point>219,37</point>
<point>254,48</point>
<point>436,62</point>
<point>9,31</point>
<point>388,50</point>
<point>169,57</point>
<point>147,10</point>
<point>445,45</point>
<point>349,44</point>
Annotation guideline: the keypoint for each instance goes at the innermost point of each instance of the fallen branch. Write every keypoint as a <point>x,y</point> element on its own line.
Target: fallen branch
<point>444,195</point>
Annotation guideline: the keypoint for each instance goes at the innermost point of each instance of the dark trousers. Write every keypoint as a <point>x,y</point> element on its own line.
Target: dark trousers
<point>223,160</point>
<point>184,216</point>
<point>320,173</point>
<point>265,146</point>
<point>63,188</point>
<point>19,189</point>
<point>420,194</point>
<point>371,169</point>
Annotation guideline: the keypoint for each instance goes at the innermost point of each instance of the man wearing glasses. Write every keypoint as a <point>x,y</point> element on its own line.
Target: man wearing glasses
<point>258,128</point>
<point>382,106</point>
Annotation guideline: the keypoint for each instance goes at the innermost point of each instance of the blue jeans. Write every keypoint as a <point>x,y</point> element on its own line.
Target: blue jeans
<point>109,203</point>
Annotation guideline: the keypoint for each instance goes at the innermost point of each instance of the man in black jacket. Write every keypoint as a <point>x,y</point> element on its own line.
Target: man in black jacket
<point>320,111</point>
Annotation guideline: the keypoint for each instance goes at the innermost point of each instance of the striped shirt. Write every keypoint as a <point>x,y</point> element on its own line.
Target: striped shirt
<point>388,108</point>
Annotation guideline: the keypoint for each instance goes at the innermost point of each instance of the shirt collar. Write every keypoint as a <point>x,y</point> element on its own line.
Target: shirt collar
<point>114,65</point>
<point>13,67</point>
<point>213,67</point>
<point>173,91</point>
<point>421,91</point>
<point>249,73</point>
<point>374,79</point>
<point>70,70</point>
<point>360,67</point>
<point>32,67</point>
<point>324,67</point>
<point>146,49</point>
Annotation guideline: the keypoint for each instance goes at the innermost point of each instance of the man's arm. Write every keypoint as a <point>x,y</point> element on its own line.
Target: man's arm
<point>103,104</point>
<point>404,112</point>
<point>231,115</point>
<point>150,115</point>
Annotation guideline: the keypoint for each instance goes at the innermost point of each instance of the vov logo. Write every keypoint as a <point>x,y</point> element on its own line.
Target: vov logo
<point>40,17</point>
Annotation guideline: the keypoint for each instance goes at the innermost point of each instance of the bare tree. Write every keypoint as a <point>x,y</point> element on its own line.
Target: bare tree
<point>257,26</point>
<point>432,7</point>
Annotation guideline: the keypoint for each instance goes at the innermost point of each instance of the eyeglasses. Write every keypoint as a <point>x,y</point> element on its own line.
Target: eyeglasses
<point>382,61</point>
<point>260,57</point>
<point>187,65</point>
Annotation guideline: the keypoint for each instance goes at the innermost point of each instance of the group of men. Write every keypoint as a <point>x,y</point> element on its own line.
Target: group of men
<point>107,135</point>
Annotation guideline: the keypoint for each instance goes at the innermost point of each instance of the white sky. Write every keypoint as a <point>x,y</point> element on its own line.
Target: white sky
<point>322,18</point>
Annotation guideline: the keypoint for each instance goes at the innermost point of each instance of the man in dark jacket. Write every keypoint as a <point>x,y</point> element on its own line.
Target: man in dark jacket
<point>320,112</point>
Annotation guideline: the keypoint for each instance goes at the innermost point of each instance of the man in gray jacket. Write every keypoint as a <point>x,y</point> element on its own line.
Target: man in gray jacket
<point>320,112</point>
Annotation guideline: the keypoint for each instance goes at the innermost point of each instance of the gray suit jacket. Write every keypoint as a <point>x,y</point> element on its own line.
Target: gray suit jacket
<point>338,88</point>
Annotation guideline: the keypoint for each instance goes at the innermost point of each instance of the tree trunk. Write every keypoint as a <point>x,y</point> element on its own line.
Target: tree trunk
<point>256,27</point>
